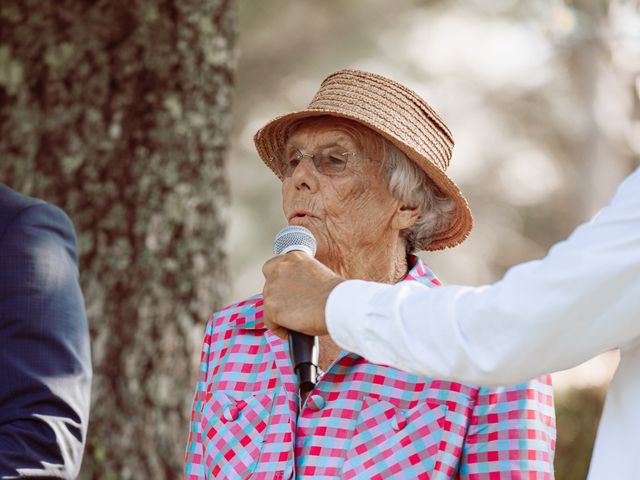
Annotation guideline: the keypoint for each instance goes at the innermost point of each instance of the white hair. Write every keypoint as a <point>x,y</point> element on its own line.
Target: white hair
<point>408,183</point>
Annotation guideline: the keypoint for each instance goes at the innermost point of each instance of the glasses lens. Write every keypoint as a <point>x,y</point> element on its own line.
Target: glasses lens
<point>331,162</point>
<point>327,163</point>
<point>288,161</point>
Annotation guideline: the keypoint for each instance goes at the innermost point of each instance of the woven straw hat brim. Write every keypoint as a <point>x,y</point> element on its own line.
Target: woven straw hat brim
<point>395,112</point>
<point>271,139</point>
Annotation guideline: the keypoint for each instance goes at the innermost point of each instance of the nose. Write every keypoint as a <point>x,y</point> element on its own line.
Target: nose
<point>305,175</point>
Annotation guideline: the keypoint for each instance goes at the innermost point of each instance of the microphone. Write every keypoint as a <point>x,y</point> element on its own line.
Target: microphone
<point>304,349</point>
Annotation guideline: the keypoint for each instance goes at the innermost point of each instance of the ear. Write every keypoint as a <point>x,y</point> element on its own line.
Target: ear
<point>405,216</point>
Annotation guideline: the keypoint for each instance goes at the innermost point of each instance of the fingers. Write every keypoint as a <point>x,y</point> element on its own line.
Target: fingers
<point>284,293</point>
<point>270,265</point>
<point>291,260</point>
<point>270,323</point>
<point>279,331</point>
<point>267,310</point>
<point>270,311</point>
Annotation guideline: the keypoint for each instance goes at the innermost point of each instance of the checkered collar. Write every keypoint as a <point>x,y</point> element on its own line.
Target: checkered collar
<point>248,313</point>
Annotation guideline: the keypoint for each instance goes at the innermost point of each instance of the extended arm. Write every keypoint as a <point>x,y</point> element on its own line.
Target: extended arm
<point>543,316</point>
<point>45,367</point>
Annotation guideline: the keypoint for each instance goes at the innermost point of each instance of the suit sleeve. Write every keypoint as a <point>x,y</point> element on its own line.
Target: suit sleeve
<point>511,433</point>
<point>45,365</point>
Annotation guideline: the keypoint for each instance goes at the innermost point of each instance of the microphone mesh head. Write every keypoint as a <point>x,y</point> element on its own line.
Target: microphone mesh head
<point>293,238</point>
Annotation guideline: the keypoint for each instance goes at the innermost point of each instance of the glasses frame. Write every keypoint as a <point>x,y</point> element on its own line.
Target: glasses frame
<point>315,157</point>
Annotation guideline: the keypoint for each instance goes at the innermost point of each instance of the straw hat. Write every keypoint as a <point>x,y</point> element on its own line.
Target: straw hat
<point>396,113</point>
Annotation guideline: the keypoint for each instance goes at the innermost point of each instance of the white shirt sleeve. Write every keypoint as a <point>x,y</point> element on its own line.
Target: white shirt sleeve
<point>546,315</point>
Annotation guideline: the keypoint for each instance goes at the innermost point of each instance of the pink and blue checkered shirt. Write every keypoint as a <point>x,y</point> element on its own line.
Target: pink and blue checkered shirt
<point>361,421</point>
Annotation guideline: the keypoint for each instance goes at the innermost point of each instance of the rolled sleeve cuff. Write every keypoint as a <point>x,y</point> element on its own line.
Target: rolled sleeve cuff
<point>346,312</point>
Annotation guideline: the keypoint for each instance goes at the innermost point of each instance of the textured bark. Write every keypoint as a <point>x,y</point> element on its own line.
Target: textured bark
<point>118,111</point>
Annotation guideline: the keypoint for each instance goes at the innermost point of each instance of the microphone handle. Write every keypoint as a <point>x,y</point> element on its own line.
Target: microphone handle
<point>304,352</point>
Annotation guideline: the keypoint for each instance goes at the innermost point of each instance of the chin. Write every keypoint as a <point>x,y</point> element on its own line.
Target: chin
<point>302,221</point>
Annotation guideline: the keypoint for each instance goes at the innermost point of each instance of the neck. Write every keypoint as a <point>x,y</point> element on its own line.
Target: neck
<point>385,265</point>
<point>373,263</point>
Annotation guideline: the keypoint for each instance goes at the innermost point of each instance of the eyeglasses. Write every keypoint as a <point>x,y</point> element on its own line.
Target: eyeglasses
<point>327,163</point>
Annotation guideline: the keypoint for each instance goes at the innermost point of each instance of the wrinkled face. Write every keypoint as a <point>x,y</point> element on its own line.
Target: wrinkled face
<point>345,210</point>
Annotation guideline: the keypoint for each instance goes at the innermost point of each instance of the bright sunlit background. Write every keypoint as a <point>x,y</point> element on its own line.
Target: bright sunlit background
<point>542,98</point>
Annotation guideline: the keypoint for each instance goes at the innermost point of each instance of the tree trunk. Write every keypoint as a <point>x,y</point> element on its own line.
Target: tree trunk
<point>118,112</point>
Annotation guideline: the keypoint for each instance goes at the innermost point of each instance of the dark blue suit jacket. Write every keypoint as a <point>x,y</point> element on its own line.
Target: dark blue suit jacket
<point>45,364</point>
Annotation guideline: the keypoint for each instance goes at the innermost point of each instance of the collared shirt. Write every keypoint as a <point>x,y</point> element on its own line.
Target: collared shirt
<point>543,316</point>
<point>362,420</point>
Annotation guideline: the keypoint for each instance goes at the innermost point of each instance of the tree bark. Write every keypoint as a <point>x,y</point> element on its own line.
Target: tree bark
<point>118,112</point>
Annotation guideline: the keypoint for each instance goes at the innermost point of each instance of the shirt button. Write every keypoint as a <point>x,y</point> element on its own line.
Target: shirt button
<point>399,421</point>
<point>315,403</point>
<point>230,413</point>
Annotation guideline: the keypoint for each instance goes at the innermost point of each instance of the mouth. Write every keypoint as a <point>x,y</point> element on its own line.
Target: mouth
<point>300,214</point>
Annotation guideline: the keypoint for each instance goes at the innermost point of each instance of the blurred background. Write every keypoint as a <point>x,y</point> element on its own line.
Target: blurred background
<point>137,118</point>
<point>542,99</point>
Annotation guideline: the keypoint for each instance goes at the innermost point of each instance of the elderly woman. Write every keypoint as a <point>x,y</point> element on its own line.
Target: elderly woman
<point>363,168</point>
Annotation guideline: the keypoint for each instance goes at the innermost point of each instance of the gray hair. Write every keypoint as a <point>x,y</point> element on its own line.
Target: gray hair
<point>406,181</point>
<point>409,184</point>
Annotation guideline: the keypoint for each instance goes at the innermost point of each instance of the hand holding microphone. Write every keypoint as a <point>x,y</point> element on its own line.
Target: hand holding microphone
<point>304,349</point>
<point>295,293</point>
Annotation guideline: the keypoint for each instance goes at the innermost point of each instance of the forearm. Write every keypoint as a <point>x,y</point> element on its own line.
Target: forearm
<point>46,370</point>
<point>518,328</point>
<point>406,326</point>
<point>40,446</point>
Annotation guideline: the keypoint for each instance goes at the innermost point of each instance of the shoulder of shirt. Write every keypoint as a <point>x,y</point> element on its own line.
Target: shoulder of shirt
<point>247,312</point>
